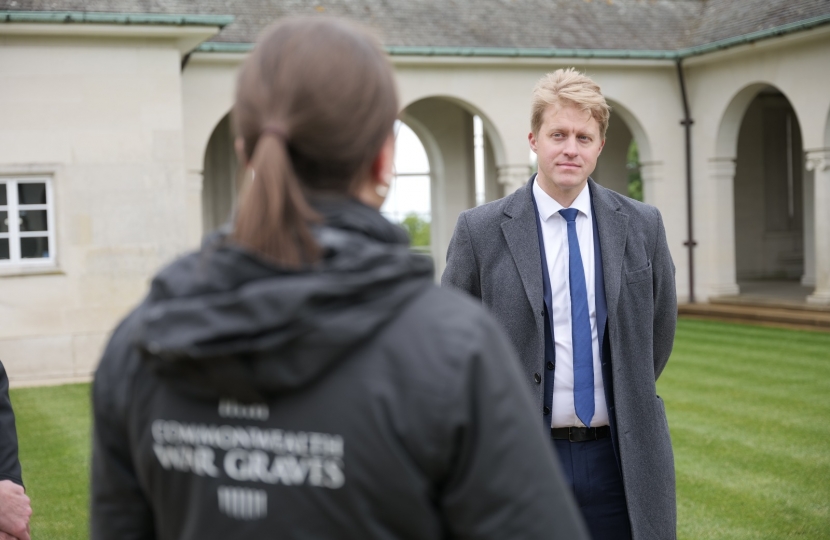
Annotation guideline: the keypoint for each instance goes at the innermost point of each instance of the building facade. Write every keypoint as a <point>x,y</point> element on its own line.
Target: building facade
<point>116,148</point>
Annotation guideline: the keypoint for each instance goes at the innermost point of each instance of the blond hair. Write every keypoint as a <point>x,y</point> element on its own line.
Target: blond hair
<point>566,87</point>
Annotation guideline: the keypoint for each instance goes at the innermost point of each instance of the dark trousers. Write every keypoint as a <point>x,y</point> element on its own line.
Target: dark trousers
<point>591,470</point>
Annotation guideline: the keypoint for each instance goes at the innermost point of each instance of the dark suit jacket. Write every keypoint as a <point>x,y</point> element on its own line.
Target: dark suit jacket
<point>9,464</point>
<point>494,256</point>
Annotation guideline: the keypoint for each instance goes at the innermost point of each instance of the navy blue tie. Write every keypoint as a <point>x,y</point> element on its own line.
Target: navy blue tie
<point>580,325</point>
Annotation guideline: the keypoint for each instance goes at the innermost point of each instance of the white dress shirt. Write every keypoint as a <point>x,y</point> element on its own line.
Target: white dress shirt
<point>555,236</point>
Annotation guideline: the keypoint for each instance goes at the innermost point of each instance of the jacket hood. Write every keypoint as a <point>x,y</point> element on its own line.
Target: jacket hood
<point>223,318</point>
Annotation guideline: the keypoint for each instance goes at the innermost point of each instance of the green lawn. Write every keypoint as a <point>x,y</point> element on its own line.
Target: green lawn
<point>53,429</point>
<point>749,410</point>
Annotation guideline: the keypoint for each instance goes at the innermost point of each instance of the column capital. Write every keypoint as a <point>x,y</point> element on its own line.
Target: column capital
<point>512,177</point>
<point>651,171</point>
<point>817,159</point>
<point>722,168</point>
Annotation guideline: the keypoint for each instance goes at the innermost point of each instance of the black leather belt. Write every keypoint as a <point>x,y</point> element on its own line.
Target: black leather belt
<point>580,434</point>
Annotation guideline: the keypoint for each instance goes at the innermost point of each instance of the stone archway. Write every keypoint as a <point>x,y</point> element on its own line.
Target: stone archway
<point>618,165</point>
<point>613,167</point>
<point>445,127</point>
<point>219,186</point>
<point>769,192</point>
<point>762,196</point>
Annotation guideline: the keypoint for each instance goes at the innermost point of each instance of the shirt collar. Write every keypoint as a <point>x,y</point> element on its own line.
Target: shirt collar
<point>548,206</point>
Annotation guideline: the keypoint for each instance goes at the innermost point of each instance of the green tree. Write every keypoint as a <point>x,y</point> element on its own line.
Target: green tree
<point>635,181</point>
<point>418,229</point>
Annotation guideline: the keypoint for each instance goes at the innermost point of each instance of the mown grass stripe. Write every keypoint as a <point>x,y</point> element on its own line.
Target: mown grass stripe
<point>53,427</point>
<point>748,409</point>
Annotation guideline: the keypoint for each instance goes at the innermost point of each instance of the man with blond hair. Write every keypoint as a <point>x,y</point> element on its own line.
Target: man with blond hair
<point>582,279</point>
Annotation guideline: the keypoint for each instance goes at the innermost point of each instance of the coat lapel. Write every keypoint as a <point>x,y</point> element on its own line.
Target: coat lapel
<point>612,227</point>
<point>522,240</point>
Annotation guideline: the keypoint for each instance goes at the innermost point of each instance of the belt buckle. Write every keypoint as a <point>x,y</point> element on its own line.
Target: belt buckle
<point>582,433</point>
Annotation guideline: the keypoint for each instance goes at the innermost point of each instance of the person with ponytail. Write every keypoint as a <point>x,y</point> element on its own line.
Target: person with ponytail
<point>301,376</point>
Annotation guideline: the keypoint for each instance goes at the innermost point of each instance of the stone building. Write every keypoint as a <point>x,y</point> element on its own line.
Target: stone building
<point>115,147</point>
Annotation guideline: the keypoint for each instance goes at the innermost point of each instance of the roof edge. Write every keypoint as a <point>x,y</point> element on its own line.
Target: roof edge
<point>686,52</point>
<point>775,31</point>
<point>99,17</point>
<point>501,52</point>
<point>518,52</point>
<point>224,47</point>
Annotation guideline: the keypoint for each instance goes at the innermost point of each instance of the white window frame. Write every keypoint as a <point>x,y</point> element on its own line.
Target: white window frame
<point>16,264</point>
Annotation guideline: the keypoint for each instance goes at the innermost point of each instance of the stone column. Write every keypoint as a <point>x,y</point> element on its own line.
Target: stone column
<point>722,213</point>
<point>818,161</point>
<point>652,173</point>
<point>195,224</point>
<point>808,278</point>
<point>512,177</point>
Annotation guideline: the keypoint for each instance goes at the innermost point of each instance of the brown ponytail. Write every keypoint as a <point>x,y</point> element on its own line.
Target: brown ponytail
<point>315,102</point>
<point>273,216</point>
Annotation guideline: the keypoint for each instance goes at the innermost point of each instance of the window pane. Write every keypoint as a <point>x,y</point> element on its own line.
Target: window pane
<point>4,248</point>
<point>31,193</point>
<point>4,221</point>
<point>3,200</point>
<point>32,220</point>
<point>34,248</point>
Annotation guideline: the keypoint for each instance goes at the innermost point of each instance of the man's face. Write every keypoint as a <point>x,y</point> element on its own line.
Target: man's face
<point>567,147</point>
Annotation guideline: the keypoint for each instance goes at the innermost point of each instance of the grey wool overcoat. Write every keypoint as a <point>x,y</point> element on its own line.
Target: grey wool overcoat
<point>494,256</point>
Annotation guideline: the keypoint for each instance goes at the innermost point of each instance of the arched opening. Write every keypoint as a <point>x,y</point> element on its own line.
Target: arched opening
<point>445,162</point>
<point>461,148</point>
<point>618,166</point>
<point>408,202</point>
<point>625,164</point>
<point>219,177</point>
<point>769,199</point>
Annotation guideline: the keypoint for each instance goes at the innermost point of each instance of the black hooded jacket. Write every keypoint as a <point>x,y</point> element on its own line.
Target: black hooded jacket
<point>354,400</point>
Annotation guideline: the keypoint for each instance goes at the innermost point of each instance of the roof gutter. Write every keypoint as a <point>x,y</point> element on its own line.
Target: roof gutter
<point>512,52</point>
<point>490,52</point>
<point>224,47</point>
<point>92,17</point>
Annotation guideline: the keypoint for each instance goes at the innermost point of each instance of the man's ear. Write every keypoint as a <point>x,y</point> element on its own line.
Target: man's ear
<point>531,138</point>
<point>383,166</point>
<point>601,146</point>
<point>373,189</point>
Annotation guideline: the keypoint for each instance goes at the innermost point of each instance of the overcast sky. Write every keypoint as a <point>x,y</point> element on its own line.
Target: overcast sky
<point>408,194</point>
